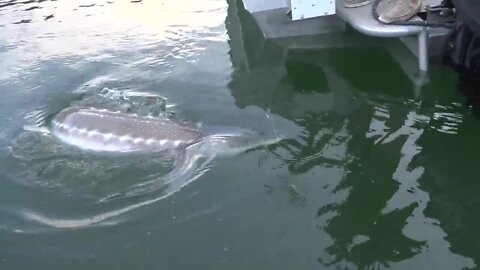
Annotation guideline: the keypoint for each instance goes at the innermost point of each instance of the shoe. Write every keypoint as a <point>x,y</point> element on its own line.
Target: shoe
<point>357,3</point>
<point>402,10</point>
<point>385,5</point>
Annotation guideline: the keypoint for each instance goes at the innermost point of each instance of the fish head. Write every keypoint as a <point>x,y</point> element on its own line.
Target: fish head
<point>231,143</point>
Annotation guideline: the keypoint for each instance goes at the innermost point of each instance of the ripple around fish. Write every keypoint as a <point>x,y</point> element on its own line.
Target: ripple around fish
<point>110,185</point>
<point>102,182</point>
<point>50,164</point>
<point>127,101</point>
<point>176,182</point>
<point>113,185</point>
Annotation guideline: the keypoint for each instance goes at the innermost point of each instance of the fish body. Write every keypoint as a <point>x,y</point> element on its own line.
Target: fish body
<point>101,130</point>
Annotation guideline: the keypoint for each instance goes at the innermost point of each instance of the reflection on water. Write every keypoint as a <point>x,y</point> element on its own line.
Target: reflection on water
<point>356,112</point>
<point>107,26</point>
<point>468,84</point>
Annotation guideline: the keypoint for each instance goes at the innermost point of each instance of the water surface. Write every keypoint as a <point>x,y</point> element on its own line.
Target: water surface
<point>375,171</point>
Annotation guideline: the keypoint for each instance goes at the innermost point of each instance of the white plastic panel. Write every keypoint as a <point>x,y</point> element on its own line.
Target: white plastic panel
<point>426,3</point>
<point>262,5</point>
<point>304,9</point>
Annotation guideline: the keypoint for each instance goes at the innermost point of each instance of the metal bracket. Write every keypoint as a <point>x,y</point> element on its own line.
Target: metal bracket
<point>423,50</point>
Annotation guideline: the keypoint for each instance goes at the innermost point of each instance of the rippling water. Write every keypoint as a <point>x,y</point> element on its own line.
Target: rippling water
<point>373,172</point>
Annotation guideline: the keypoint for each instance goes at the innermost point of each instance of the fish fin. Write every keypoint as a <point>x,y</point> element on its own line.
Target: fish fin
<point>36,121</point>
<point>36,117</point>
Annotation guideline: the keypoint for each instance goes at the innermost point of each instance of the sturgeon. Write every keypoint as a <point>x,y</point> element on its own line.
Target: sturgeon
<point>102,130</point>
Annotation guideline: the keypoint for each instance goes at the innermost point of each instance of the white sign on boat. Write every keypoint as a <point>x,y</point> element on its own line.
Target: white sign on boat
<point>304,9</point>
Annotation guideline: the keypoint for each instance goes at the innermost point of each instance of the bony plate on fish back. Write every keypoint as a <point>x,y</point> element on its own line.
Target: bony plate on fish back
<point>102,130</point>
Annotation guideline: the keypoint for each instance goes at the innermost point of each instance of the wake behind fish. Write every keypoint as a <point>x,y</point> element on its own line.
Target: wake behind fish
<point>111,184</point>
<point>147,190</point>
<point>169,184</point>
<point>116,161</point>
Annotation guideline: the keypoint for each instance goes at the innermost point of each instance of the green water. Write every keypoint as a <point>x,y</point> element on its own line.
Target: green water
<point>374,172</point>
